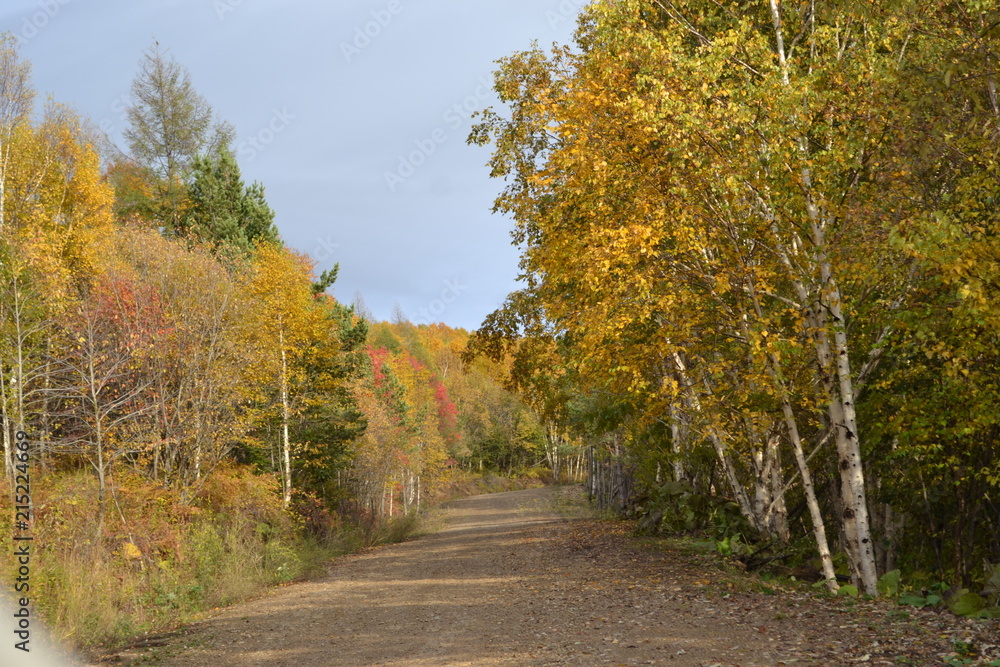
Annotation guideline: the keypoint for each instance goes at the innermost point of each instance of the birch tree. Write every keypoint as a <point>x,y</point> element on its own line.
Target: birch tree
<point>703,184</point>
<point>16,103</point>
<point>286,321</point>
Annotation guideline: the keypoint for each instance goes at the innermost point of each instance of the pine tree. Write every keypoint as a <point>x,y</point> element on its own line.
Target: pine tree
<point>222,210</point>
<point>170,124</point>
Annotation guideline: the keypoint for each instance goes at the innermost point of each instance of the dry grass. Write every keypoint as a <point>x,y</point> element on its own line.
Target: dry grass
<point>157,563</point>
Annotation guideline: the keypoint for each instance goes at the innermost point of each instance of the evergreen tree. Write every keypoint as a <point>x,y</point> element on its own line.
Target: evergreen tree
<point>222,210</point>
<point>170,124</point>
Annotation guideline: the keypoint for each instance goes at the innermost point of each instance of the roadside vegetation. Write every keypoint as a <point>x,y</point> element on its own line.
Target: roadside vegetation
<point>205,418</point>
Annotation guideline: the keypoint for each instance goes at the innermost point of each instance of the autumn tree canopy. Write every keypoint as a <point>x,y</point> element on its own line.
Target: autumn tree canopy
<point>727,217</point>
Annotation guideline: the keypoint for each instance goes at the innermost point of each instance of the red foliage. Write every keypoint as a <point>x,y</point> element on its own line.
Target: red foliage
<point>447,414</point>
<point>136,313</point>
<point>379,357</point>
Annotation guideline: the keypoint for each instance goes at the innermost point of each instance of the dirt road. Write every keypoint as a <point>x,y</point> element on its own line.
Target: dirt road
<point>499,585</point>
<point>510,582</point>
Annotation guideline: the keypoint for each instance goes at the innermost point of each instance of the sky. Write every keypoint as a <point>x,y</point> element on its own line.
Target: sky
<point>352,114</point>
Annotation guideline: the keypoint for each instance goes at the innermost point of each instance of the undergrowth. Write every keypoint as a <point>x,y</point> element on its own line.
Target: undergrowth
<point>156,563</point>
<point>464,483</point>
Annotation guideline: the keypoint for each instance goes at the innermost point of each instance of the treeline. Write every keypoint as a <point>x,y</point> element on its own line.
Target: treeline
<point>157,322</point>
<point>436,412</point>
<point>760,250</point>
<point>204,417</point>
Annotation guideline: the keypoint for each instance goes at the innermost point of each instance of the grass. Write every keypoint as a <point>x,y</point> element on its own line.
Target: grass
<point>397,529</point>
<point>158,564</point>
<point>464,483</point>
<point>570,502</point>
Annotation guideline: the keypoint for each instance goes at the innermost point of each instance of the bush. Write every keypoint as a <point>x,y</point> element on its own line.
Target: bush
<point>158,562</point>
<point>676,508</point>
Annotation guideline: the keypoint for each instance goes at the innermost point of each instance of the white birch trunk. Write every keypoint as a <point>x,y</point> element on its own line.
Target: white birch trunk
<point>841,399</point>
<point>6,425</point>
<point>677,441</point>
<point>286,447</point>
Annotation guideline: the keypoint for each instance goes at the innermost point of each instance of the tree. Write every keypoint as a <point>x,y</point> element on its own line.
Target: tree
<point>201,366</point>
<point>24,330</point>
<point>16,98</point>
<point>170,124</point>
<point>57,221</point>
<point>99,385</point>
<point>697,192</point>
<point>16,101</point>
<point>934,412</point>
<point>287,322</point>
<point>222,211</point>
<point>329,417</point>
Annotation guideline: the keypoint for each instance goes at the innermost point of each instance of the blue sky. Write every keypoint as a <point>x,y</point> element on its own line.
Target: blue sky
<point>352,114</point>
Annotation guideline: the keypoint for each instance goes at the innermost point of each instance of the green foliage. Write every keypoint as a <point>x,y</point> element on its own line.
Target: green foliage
<point>968,604</point>
<point>920,601</point>
<point>169,125</point>
<point>676,508</point>
<point>222,211</point>
<point>848,591</point>
<point>169,122</point>
<point>888,584</point>
<point>729,228</point>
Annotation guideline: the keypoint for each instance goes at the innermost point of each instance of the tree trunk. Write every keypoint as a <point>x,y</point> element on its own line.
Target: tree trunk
<point>6,426</point>
<point>841,402</point>
<point>819,527</point>
<point>286,448</point>
<point>677,440</point>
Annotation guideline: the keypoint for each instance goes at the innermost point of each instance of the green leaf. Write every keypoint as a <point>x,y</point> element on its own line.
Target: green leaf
<point>724,547</point>
<point>968,604</point>
<point>849,590</point>
<point>992,612</point>
<point>913,600</point>
<point>888,584</point>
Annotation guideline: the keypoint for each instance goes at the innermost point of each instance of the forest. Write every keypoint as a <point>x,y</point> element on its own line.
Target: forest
<point>759,255</point>
<point>204,418</point>
<point>760,303</point>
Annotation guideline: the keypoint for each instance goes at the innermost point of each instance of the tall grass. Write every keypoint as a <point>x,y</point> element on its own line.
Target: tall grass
<point>158,563</point>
